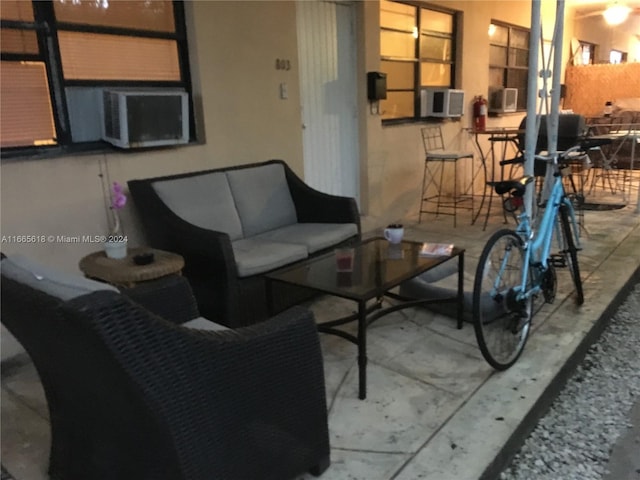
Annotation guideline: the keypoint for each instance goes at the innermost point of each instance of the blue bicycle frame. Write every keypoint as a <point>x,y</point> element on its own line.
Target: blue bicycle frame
<point>537,245</point>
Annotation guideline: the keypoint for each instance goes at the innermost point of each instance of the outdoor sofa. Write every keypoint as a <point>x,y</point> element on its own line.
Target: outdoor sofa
<point>232,225</point>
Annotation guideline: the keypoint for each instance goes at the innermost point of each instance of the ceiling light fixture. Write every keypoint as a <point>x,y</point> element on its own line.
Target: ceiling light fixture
<point>616,14</point>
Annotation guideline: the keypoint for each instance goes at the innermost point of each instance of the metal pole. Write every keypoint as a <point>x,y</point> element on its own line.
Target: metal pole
<point>531,133</point>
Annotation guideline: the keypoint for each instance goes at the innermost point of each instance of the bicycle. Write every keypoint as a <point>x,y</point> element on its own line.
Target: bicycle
<point>516,266</point>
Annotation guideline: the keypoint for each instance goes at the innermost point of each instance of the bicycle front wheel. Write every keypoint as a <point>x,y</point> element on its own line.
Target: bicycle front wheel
<point>501,320</point>
<point>570,252</point>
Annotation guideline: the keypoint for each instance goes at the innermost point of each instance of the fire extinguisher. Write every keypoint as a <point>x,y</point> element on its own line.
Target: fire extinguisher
<point>479,113</point>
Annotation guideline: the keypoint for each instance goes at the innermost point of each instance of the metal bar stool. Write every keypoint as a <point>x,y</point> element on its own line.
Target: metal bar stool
<point>433,191</point>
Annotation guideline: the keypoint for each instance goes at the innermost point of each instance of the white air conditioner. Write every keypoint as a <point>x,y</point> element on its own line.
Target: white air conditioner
<point>441,102</point>
<point>503,100</point>
<point>145,118</point>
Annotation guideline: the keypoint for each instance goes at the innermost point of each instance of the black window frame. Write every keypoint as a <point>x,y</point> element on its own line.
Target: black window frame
<point>418,58</point>
<point>46,27</point>
<point>508,69</point>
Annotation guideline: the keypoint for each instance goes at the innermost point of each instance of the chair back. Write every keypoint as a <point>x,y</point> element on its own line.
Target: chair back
<point>432,139</point>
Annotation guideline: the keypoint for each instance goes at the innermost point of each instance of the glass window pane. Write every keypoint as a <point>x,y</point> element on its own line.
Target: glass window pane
<point>519,38</point>
<point>26,116</point>
<point>497,55</point>
<point>496,77</point>
<point>398,16</point>
<point>156,15</point>
<point>517,78</point>
<point>435,48</point>
<point>90,56</point>
<point>435,74</point>
<point>435,21</point>
<point>16,10</point>
<point>500,35</point>
<point>518,58</point>
<point>18,41</point>
<point>395,44</point>
<point>397,105</point>
<point>399,74</point>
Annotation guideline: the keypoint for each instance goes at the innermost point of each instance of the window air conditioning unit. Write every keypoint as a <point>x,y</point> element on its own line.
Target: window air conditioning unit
<point>441,102</point>
<point>503,100</point>
<point>145,118</point>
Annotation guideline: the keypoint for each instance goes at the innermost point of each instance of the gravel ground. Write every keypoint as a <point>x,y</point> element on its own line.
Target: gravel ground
<point>573,440</point>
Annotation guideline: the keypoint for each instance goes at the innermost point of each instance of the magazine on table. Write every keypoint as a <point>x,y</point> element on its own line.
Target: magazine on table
<point>429,249</point>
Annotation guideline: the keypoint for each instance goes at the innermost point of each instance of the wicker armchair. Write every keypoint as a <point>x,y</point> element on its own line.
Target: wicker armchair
<point>223,295</point>
<point>132,396</point>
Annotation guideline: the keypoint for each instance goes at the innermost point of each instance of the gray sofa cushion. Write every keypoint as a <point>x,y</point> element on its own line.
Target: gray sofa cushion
<point>255,256</point>
<point>314,236</point>
<point>62,285</point>
<point>202,200</point>
<point>201,323</point>
<point>262,198</point>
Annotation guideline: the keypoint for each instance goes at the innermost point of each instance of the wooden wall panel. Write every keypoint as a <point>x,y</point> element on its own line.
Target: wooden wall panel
<point>590,86</point>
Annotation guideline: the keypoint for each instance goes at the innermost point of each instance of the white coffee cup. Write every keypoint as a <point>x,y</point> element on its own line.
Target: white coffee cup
<point>394,233</point>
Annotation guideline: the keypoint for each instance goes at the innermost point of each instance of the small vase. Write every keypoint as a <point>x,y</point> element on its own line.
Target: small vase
<point>116,249</point>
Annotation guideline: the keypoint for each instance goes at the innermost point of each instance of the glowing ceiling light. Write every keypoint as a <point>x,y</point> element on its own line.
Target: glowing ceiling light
<point>616,14</point>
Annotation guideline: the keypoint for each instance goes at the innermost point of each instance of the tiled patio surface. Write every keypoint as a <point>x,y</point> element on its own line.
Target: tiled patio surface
<point>435,409</point>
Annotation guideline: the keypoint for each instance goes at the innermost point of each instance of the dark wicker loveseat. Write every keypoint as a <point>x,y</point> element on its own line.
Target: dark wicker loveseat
<point>233,225</point>
<point>134,397</point>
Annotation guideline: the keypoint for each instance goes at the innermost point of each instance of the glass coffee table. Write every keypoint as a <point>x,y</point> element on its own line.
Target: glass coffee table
<point>365,273</point>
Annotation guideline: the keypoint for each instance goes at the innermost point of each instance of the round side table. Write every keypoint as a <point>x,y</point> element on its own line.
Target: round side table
<point>157,286</point>
<point>124,272</point>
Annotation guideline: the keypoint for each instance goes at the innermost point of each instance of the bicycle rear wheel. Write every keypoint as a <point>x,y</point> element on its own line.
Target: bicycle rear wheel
<point>501,322</point>
<point>569,250</point>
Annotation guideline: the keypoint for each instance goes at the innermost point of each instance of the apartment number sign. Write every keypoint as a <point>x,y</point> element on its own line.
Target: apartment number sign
<point>283,64</point>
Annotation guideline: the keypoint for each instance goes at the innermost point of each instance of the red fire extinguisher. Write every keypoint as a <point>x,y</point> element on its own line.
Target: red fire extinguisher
<point>479,113</point>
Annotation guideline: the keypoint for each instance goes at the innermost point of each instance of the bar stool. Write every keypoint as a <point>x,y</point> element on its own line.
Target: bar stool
<point>433,191</point>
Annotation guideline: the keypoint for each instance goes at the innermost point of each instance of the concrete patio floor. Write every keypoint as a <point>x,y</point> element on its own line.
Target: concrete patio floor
<point>435,409</point>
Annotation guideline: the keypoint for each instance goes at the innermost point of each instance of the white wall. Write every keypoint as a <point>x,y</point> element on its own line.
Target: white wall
<point>624,37</point>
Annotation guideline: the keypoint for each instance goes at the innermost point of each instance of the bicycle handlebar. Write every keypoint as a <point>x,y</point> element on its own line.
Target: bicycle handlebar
<point>582,147</point>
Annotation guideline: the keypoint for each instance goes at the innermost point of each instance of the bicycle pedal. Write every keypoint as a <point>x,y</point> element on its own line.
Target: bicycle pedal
<point>558,260</point>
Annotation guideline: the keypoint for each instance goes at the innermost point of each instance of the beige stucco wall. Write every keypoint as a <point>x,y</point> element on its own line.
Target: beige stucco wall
<point>233,47</point>
<point>395,153</point>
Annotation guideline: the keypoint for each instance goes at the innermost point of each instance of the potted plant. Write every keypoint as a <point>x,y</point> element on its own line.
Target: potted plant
<point>115,245</point>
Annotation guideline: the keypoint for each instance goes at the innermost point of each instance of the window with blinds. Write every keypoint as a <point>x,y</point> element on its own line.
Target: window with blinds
<point>58,56</point>
<point>417,49</point>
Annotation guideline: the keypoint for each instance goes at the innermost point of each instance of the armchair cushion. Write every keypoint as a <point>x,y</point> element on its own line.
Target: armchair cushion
<point>204,201</point>
<point>262,198</point>
<point>202,323</point>
<point>255,255</point>
<point>314,236</point>
<point>58,284</point>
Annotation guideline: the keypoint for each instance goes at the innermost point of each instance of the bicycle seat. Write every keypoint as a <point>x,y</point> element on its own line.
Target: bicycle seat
<point>515,187</point>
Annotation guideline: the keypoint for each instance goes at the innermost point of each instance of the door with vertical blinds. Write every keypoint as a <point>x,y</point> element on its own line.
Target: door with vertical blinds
<point>327,59</point>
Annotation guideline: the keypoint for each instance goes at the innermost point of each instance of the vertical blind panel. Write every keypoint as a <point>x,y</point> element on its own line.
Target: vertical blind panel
<point>18,41</point>
<point>156,16</point>
<point>91,56</point>
<point>26,116</point>
<point>16,10</point>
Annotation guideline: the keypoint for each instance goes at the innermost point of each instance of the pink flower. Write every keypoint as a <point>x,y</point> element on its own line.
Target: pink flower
<point>118,198</point>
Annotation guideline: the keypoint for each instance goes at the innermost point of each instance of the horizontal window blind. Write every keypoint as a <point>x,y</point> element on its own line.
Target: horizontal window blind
<point>26,117</point>
<point>149,15</point>
<point>91,56</point>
